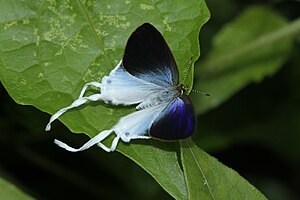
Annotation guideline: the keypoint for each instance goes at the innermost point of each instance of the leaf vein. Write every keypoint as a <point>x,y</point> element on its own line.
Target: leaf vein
<point>97,38</point>
<point>203,175</point>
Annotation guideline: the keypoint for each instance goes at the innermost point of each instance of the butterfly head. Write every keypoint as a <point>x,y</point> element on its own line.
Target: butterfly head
<point>182,89</point>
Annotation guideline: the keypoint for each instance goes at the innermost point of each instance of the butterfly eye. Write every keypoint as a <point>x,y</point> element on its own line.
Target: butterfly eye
<point>182,89</point>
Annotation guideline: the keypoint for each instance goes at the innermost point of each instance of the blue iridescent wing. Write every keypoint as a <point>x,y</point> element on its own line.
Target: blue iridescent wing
<point>148,57</point>
<point>176,121</point>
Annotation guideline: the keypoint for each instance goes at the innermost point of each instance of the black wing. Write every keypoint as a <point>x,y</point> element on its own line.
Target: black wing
<point>177,120</point>
<point>148,57</point>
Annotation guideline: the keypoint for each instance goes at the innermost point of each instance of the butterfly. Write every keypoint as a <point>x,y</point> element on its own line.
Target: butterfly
<point>148,77</point>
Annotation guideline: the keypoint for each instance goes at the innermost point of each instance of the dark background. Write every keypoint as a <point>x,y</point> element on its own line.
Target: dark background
<point>257,133</point>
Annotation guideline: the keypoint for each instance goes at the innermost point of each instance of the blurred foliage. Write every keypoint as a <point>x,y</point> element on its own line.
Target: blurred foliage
<point>10,192</point>
<point>249,48</point>
<point>256,131</point>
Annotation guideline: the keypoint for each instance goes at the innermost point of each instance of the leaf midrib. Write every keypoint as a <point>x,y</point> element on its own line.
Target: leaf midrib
<point>97,38</point>
<point>200,169</point>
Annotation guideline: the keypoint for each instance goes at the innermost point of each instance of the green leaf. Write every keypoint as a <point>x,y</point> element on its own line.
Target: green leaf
<point>159,159</point>
<point>10,192</point>
<point>207,178</point>
<point>252,47</point>
<point>50,49</point>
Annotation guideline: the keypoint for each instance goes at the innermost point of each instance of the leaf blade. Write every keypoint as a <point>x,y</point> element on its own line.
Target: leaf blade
<point>244,51</point>
<point>207,178</point>
<point>10,191</point>
<point>67,44</point>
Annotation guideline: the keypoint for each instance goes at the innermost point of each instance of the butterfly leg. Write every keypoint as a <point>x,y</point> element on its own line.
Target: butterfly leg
<point>141,137</point>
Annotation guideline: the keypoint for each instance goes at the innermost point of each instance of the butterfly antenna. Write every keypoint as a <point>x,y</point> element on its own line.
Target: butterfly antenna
<point>185,76</point>
<point>187,69</point>
<point>201,92</point>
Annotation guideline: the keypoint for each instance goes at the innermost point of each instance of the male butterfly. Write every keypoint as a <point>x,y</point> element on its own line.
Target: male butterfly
<point>147,76</point>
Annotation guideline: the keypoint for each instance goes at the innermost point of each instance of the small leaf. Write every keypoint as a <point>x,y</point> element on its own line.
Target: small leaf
<point>207,178</point>
<point>252,47</point>
<point>9,191</point>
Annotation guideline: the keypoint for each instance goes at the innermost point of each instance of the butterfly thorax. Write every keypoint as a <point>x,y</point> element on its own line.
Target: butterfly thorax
<point>164,95</point>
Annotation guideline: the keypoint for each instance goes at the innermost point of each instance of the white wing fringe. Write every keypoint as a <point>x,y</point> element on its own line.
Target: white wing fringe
<point>118,88</point>
<point>95,140</point>
<point>81,100</point>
